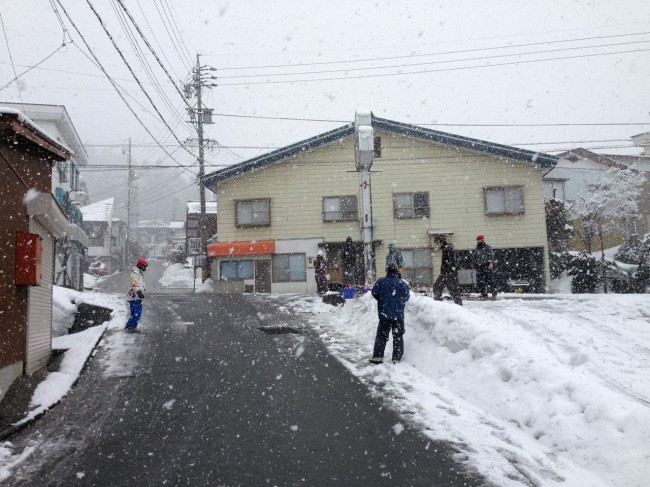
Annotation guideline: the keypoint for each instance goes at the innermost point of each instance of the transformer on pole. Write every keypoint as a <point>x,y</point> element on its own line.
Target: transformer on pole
<point>363,157</point>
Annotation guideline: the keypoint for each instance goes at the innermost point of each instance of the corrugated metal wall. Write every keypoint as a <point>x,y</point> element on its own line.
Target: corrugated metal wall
<point>39,314</point>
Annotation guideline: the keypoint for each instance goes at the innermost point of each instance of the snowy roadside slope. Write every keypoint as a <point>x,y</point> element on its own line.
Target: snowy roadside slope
<point>533,392</point>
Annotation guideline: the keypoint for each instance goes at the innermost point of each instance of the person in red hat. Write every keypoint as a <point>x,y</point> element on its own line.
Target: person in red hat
<point>136,295</point>
<point>483,263</point>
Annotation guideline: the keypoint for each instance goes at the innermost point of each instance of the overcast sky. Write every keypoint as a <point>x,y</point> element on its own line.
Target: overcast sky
<point>419,62</point>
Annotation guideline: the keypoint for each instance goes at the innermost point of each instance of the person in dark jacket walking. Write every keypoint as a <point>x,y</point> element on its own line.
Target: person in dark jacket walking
<point>391,294</point>
<point>448,272</point>
<point>320,268</point>
<point>483,263</point>
<point>349,259</point>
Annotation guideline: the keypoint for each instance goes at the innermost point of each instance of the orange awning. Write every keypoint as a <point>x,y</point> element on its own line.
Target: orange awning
<point>226,249</point>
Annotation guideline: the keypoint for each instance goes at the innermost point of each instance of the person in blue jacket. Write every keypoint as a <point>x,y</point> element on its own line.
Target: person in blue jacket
<point>391,294</point>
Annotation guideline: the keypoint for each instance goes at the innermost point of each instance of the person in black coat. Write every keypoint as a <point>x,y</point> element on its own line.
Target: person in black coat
<point>349,259</point>
<point>483,261</point>
<point>391,294</point>
<point>448,272</point>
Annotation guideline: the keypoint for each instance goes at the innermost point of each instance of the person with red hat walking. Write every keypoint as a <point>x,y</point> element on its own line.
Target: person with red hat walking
<point>483,263</point>
<point>136,295</point>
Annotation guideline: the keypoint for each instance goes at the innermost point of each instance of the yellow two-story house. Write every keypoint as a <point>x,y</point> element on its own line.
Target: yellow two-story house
<point>276,211</point>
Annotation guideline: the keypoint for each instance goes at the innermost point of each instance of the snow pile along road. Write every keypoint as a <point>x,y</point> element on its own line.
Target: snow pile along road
<point>551,391</point>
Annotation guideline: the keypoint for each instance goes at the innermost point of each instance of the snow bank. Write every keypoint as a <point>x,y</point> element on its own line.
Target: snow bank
<point>541,391</point>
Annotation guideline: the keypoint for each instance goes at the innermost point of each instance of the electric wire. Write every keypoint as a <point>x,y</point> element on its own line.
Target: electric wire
<point>429,63</point>
<point>459,51</point>
<point>175,24</point>
<point>58,16</point>
<point>145,64</point>
<point>32,67</point>
<point>188,65</point>
<point>111,80</point>
<point>144,38</point>
<point>11,58</point>
<point>429,71</point>
<point>153,33</point>
<point>133,73</point>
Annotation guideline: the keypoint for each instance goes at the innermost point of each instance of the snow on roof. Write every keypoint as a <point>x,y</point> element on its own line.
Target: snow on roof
<point>177,224</point>
<point>102,211</point>
<point>23,119</point>
<point>195,207</point>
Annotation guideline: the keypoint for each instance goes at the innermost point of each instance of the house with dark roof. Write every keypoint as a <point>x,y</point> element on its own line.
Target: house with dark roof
<point>276,211</point>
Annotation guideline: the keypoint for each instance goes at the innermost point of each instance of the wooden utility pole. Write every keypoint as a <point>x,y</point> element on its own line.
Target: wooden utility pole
<point>201,116</point>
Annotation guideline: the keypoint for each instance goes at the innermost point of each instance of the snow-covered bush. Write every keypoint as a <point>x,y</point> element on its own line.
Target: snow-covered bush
<point>584,269</point>
<point>631,251</point>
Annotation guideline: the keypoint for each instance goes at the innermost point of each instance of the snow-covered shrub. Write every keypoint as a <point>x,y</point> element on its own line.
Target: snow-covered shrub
<point>584,269</point>
<point>631,250</point>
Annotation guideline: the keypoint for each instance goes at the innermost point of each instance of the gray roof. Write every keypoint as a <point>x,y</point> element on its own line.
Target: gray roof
<point>539,159</point>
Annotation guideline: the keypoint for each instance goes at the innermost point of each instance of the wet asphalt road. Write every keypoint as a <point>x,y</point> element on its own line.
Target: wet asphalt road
<point>211,400</point>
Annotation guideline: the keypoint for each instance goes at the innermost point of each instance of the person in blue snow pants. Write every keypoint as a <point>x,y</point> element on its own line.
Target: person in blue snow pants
<point>136,314</point>
<point>136,295</point>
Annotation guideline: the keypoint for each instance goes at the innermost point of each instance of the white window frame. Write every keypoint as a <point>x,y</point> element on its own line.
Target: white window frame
<point>296,270</point>
<point>253,213</point>
<point>504,200</point>
<point>334,208</point>
<point>239,264</point>
<point>403,209</point>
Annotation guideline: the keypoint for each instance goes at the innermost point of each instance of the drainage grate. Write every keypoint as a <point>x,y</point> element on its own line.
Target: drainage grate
<point>279,330</point>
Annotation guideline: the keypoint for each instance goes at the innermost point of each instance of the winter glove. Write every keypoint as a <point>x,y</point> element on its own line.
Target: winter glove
<point>140,295</point>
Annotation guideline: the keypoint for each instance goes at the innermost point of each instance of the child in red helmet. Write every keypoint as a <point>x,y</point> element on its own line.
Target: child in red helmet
<point>136,295</point>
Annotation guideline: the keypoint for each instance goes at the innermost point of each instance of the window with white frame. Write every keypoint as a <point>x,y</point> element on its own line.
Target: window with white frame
<point>253,213</point>
<point>508,200</point>
<point>418,269</point>
<point>236,270</point>
<point>289,268</point>
<point>339,208</point>
<point>411,205</point>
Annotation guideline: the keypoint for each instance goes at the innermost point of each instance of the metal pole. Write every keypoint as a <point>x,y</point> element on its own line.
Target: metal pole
<point>364,152</point>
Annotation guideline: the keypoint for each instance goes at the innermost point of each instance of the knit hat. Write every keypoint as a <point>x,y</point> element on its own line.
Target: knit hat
<point>480,237</point>
<point>391,244</point>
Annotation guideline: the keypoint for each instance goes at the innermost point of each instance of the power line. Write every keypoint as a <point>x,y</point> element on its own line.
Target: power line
<point>111,80</point>
<point>10,56</point>
<point>101,22</point>
<point>173,23</point>
<point>460,51</point>
<point>188,65</point>
<point>151,49</point>
<point>480,58</point>
<point>32,67</point>
<point>298,119</point>
<point>428,71</point>
<point>153,33</point>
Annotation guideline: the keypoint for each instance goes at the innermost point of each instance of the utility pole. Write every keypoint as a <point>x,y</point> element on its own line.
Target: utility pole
<point>128,205</point>
<point>363,156</point>
<point>201,116</point>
